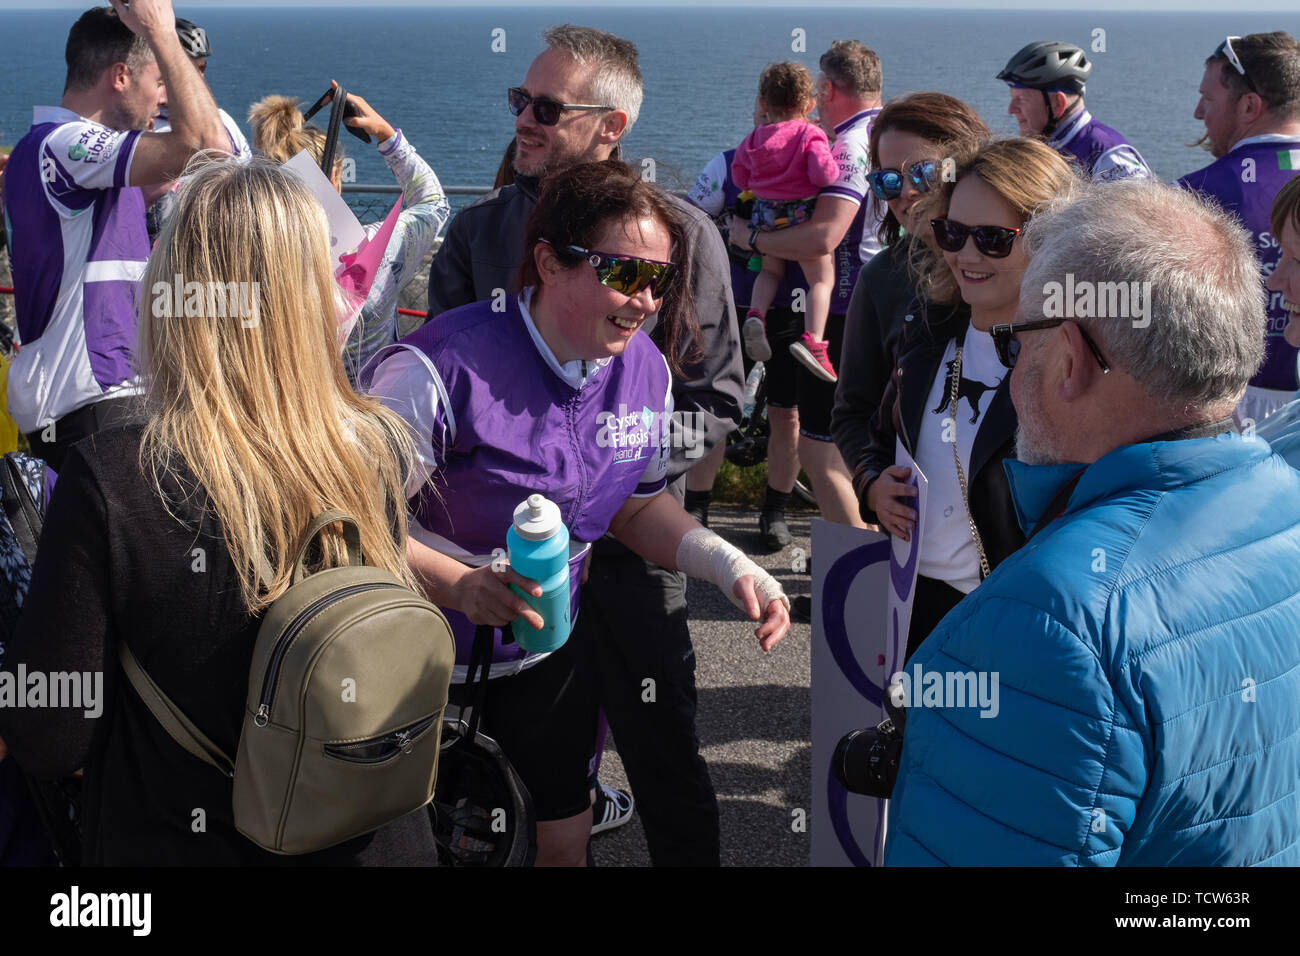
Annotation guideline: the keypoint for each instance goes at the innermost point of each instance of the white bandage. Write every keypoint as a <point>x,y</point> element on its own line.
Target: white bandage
<point>702,554</point>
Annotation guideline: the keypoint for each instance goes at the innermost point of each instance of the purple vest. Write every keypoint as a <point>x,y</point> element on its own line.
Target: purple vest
<point>1245,182</point>
<point>509,427</point>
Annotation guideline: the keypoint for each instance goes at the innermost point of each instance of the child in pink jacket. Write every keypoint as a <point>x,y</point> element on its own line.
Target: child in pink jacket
<point>784,163</point>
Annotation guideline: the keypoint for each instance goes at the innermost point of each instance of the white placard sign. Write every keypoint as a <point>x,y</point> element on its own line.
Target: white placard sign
<point>863,583</point>
<point>346,233</point>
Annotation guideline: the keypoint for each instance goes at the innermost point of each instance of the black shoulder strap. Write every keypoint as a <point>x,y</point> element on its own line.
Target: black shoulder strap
<point>480,657</point>
<point>337,108</point>
<point>24,514</point>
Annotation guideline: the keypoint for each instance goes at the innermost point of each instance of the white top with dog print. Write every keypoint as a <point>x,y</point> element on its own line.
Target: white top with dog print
<point>947,551</point>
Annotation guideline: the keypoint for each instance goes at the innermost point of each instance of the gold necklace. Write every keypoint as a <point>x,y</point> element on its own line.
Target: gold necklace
<point>961,472</point>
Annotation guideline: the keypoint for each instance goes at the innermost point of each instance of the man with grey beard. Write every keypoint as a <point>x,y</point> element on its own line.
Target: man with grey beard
<point>1146,639</point>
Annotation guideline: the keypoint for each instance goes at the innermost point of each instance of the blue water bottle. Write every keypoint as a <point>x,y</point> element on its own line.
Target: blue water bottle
<point>538,543</point>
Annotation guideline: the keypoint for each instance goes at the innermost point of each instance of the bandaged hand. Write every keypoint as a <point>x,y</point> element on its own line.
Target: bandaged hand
<point>704,555</point>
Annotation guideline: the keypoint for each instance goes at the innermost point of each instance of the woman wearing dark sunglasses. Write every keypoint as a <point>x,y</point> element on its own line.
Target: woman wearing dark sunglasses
<point>556,391</point>
<point>949,399</point>
<point>909,140</point>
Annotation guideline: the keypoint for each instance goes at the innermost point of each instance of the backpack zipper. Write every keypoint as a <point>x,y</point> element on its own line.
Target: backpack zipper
<point>263,716</point>
<point>398,742</point>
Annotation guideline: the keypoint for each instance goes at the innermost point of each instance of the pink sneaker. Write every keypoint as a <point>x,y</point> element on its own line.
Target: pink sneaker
<point>811,353</point>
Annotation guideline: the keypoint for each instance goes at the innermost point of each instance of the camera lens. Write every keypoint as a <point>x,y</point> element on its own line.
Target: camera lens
<point>852,761</point>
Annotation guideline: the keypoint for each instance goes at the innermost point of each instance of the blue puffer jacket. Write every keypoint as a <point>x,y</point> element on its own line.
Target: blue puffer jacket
<point>1147,650</point>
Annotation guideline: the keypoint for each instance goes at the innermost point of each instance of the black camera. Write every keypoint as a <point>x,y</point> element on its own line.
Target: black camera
<point>866,760</point>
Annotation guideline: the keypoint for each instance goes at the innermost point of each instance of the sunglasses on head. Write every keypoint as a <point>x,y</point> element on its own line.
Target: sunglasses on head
<point>545,110</point>
<point>1225,49</point>
<point>888,183</point>
<point>1008,346</point>
<point>993,241</point>
<point>627,275</point>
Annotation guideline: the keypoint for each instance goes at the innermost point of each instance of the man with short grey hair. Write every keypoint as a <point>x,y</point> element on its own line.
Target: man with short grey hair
<point>1144,645</point>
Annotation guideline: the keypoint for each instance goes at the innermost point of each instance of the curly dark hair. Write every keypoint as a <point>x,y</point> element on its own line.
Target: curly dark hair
<point>575,206</point>
<point>785,89</point>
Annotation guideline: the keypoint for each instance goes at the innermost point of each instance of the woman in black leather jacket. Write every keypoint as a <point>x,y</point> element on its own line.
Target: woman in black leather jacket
<point>909,140</point>
<point>949,391</point>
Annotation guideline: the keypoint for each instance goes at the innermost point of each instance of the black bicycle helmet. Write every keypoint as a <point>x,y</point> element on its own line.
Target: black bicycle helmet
<point>1049,66</point>
<point>194,39</point>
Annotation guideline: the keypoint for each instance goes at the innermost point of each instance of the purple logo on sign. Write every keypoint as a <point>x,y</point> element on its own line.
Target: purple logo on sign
<point>839,580</point>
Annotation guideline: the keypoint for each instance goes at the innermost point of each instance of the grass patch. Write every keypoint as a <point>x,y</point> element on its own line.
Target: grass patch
<point>741,486</point>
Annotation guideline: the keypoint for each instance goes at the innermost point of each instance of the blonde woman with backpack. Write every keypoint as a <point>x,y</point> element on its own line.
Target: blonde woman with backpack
<point>157,530</point>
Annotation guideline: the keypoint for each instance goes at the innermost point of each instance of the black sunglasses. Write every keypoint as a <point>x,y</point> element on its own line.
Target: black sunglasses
<point>887,184</point>
<point>993,241</point>
<point>1225,49</point>
<point>1008,347</point>
<point>545,110</point>
<point>627,274</point>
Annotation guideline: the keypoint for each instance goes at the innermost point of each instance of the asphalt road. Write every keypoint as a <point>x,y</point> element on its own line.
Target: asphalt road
<point>754,718</point>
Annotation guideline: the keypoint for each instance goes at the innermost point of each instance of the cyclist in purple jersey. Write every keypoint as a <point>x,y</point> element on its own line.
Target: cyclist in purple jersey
<point>560,394</point>
<point>577,101</point>
<point>75,217</point>
<point>1250,104</point>
<point>1047,81</point>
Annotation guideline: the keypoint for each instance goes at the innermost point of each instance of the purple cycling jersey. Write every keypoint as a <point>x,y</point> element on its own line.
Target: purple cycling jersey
<point>497,418</point>
<point>1245,182</point>
<point>78,247</point>
<point>1100,151</point>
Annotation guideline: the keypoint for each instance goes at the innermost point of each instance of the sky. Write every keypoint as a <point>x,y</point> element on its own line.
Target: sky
<point>1186,6</point>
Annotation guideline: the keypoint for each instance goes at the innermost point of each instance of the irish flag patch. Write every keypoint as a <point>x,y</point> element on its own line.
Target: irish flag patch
<point>1288,159</point>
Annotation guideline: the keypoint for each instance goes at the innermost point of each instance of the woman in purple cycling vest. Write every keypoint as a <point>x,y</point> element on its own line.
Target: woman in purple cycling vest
<point>555,390</point>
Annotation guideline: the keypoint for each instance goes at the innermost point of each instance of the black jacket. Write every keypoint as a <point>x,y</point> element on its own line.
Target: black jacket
<point>902,410</point>
<point>484,247</point>
<point>884,302</point>
<point>116,564</point>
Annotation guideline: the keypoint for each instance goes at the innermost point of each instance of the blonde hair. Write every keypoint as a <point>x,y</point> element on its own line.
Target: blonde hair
<point>279,132</point>
<point>1025,173</point>
<point>257,404</point>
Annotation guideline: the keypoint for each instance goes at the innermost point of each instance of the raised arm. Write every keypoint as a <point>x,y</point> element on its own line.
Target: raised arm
<point>193,112</point>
